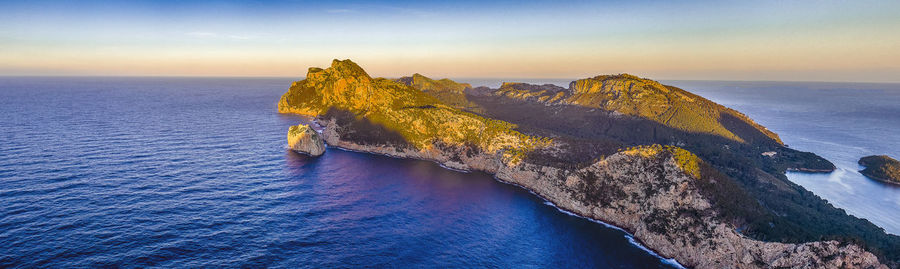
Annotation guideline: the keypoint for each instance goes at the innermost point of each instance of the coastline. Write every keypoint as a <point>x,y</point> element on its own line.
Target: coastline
<point>882,180</point>
<point>629,234</point>
<point>689,241</point>
<point>674,202</point>
<point>810,171</point>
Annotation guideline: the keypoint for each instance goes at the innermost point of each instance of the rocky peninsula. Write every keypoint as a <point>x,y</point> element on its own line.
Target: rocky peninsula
<point>881,168</point>
<point>684,175</point>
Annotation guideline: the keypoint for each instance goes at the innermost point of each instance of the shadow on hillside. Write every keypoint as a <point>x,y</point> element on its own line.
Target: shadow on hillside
<point>361,131</point>
<point>750,189</point>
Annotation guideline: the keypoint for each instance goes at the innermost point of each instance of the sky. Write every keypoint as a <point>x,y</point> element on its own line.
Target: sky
<point>666,40</point>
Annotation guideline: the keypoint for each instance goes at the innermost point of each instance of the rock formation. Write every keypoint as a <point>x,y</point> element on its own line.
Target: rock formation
<point>302,138</point>
<point>673,201</point>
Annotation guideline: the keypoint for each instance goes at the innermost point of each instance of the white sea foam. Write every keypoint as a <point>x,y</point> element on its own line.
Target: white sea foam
<point>401,157</point>
<point>629,236</point>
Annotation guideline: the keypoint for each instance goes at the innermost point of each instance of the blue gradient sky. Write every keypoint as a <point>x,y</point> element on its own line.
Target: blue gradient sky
<point>741,40</point>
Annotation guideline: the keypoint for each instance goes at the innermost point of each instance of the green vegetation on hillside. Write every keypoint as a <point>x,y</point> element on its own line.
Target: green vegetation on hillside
<point>882,168</point>
<point>671,106</point>
<point>447,91</point>
<point>749,189</point>
<point>422,120</point>
<point>547,93</point>
<point>633,96</point>
<point>718,146</point>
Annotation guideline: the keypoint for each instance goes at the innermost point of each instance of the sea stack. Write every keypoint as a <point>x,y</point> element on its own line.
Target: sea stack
<point>303,139</point>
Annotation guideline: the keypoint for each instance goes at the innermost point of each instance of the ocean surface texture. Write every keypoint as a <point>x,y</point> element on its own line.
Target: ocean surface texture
<point>190,172</point>
<point>187,172</point>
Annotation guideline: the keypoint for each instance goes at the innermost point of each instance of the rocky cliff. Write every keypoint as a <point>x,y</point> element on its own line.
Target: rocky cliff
<point>648,191</point>
<point>302,138</point>
<point>670,199</point>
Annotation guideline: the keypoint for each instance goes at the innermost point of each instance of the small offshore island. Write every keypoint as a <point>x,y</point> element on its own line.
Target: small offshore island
<point>881,168</point>
<point>302,138</point>
<point>689,178</point>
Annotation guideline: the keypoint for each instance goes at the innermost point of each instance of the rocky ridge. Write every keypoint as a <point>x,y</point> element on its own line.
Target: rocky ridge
<point>652,191</point>
<point>448,91</point>
<point>634,96</point>
<point>547,93</point>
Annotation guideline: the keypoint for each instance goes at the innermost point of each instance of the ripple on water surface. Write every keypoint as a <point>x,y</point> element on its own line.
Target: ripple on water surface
<point>194,173</point>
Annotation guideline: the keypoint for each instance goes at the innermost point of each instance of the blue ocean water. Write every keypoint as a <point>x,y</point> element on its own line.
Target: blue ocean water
<point>194,172</point>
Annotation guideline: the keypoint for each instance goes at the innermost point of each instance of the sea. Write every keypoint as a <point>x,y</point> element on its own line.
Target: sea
<point>195,172</point>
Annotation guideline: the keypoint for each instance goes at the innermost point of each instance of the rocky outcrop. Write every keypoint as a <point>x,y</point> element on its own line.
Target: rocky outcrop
<point>658,193</point>
<point>302,138</point>
<point>881,168</point>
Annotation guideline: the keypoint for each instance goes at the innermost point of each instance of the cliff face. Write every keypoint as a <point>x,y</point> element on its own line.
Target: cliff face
<point>649,191</point>
<point>653,192</point>
<point>302,138</point>
<point>662,194</point>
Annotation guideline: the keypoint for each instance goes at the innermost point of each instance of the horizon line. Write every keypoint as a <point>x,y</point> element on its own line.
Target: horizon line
<point>436,77</point>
